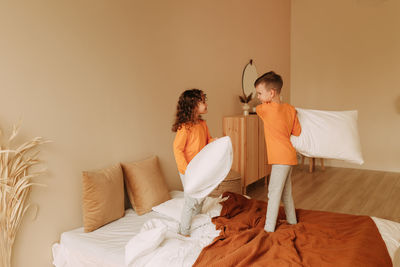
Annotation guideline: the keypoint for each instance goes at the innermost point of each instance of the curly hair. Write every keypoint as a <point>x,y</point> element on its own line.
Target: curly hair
<point>186,108</point>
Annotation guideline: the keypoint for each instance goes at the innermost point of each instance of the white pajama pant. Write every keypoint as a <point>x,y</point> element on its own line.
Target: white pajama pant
<point>191,208</point>
<point>279,188</point>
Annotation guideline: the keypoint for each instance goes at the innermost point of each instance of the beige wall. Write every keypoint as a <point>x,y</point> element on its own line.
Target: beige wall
<point>345,55</point>
<point>101,79</point>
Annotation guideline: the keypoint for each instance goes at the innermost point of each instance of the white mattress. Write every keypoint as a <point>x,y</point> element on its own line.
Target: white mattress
<point>105,247</point>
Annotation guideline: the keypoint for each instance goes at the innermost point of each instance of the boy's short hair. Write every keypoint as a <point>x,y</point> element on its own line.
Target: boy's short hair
<point>272,79</point>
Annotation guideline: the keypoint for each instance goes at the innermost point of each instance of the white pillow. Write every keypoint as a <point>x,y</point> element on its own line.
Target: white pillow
<point>171,208</point>
<point>328,134</point>
<point>208,168</point>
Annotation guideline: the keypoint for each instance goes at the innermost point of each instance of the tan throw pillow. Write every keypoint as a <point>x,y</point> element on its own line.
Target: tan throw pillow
<point>146,185</point>
<point>103,197</point>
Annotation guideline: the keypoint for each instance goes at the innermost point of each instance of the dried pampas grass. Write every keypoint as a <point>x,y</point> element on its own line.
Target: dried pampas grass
<point>16,181</point>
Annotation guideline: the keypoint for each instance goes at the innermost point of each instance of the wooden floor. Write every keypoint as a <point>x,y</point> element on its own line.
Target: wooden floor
<point>351,191</point>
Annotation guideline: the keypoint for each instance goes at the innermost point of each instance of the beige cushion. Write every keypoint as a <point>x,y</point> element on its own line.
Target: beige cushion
<point>103,197</point>
<point>146,184</point>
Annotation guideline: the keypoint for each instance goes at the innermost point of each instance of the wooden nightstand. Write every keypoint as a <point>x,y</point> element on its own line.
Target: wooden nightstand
<point>249,149</point>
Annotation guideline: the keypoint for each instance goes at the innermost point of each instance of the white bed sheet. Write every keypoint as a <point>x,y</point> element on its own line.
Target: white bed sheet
<point>390,232</point>
<point>105,247</point>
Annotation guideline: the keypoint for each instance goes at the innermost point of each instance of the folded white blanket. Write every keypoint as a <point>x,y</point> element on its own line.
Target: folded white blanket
<point>159,244</point>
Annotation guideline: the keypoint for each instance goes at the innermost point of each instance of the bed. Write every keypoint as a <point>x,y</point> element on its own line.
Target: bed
<point>151,239</point>
<point>106,246</point>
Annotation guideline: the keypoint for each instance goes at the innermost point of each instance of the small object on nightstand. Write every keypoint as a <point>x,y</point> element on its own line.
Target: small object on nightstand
<point>253,111</point>
<point>246,109</point>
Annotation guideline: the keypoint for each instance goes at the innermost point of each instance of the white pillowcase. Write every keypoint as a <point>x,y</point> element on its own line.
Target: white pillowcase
<point>208,168</point>
<point>328,134</point>
<point>171,208</point>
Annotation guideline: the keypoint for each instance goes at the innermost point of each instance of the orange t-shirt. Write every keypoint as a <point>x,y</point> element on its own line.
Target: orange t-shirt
<point>280,122</point>
<point>188,142</point>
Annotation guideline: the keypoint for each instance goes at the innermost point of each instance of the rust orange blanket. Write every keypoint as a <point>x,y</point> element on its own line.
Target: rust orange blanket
<point>319,239</point>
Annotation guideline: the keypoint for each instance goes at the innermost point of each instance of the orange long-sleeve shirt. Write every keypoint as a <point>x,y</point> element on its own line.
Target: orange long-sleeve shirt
<point>188,142</point>
<point>280,122</point>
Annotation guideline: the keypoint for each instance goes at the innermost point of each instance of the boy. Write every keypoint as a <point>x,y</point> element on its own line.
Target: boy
<point>280,121</point>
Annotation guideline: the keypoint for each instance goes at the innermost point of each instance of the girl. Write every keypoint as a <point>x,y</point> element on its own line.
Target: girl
<point>191,136</point>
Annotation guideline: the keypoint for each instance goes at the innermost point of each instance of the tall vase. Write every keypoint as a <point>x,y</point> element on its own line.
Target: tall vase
<point>246,109</point>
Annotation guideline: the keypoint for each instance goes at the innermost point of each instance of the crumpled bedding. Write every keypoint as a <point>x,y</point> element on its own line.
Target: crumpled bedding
<point>318,239</point>
<point>111,245</point>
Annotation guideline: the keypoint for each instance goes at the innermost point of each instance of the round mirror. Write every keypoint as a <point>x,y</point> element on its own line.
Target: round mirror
<point>248,78</point>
